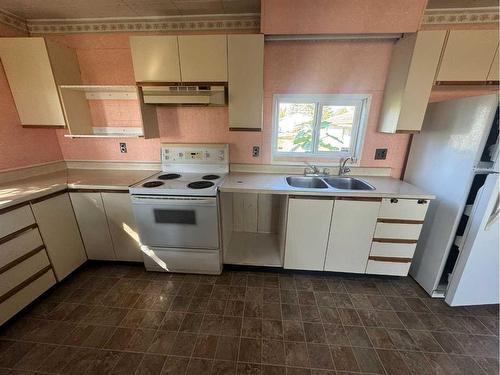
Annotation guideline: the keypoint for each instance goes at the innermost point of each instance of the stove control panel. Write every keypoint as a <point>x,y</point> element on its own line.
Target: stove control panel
<point>194,154</point>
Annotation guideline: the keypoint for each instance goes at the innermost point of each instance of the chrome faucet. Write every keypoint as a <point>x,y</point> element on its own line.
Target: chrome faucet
<point>342,168</point>
<point>312,170</point>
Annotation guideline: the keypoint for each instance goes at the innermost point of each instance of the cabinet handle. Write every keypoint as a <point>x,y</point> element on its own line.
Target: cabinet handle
<point>394,200</point>
<point>422,201</point>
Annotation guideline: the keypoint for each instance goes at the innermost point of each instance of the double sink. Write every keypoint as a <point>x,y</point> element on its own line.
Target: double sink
<point>341,183</point>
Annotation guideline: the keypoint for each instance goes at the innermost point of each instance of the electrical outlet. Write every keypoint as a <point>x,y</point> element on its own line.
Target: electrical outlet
<point>255,151</point>
<point>380,154</point>
<point>123,147</point>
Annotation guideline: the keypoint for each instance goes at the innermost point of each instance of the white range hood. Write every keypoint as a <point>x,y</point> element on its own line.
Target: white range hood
<point>206,95</point>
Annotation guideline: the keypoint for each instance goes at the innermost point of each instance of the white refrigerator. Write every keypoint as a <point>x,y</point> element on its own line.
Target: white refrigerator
<point>455,157</point>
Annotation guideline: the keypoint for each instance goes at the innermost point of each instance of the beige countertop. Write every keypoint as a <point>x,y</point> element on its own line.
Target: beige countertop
<point>19,191</point>
<point>275,184</point>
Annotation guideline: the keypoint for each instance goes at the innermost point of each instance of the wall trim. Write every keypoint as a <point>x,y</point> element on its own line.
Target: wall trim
<point>12,20</point>
<point>461,16</point>
<point>177,24</point>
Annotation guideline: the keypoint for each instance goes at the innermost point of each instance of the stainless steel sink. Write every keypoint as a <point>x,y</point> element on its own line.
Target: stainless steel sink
<point>348,183</point>
<point>306,182</point>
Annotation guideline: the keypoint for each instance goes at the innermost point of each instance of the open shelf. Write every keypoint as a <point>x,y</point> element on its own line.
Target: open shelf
<point>114,135</point>
<point>103,92</point>
<point>253,229</point>
<point>107,111</point>
<point>256,249</point>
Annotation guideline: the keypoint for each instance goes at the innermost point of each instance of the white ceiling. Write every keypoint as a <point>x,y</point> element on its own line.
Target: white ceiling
<point>64,9</point>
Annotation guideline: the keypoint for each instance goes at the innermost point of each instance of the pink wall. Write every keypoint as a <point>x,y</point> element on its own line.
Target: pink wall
<point>340,16</point>
<point>20,146</point>
<point>348,67</point>
<point>290,67</point>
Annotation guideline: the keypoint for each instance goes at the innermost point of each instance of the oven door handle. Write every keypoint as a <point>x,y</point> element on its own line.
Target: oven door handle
<point>167,201</point>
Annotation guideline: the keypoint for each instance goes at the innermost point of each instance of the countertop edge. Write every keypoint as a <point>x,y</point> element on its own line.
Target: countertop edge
<point>315,192</point>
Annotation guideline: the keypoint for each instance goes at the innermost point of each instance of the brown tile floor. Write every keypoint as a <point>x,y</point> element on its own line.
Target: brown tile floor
<point>118,319</point>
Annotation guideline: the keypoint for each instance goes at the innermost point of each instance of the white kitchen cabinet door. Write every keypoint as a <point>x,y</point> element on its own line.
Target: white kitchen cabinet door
<point>203,58</point>
<point>246,80</point>
<point>155,58</point>
<point>308,225</point>
<point>91,217</point>
<point>414,62</point>
<point>468,55</point>
<point>28,69</point>
<point>59,230</point>
<point>122,227</point>
<point>351,233</point>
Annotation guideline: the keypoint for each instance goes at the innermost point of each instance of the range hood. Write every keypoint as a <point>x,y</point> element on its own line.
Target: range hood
<point>204,95</point>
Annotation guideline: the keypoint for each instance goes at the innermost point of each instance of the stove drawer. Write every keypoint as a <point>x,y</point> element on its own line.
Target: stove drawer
<point>182,260</point>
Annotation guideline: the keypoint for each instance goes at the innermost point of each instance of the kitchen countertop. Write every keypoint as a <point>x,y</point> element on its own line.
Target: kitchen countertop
<point>23,190</point>
<point>20,191</point>
<point>275,184</point>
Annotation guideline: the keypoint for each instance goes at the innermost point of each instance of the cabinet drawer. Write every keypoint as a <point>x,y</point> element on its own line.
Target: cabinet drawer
<point>14,220</point>
<point>387,268</point>
<point>26,295</point>
<point>23,271</point>
<point>395,250</point>
<point>403,209</point>
<point>19,246</point>
<point>398,231</point>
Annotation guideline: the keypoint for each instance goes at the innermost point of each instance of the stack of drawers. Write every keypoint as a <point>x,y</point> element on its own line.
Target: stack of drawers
<point>25,269</point>
<point>398,227</point>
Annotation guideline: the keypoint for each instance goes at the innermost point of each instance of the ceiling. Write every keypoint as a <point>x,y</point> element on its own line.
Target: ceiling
<point>64,9</point>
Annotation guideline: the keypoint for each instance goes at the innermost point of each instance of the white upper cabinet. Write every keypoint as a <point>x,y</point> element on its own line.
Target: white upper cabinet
<point>155,58</point>
<point>34,68</point>
<point>308,226</point>
<point>183,58</point>
<point>414,61</point>
<point>203,58</point>
<point>351,234</point>
<point>246,80</point>
<point>468,55</point>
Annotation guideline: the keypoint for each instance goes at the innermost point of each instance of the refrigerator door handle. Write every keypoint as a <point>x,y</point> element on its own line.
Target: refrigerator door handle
<point>494,215</point>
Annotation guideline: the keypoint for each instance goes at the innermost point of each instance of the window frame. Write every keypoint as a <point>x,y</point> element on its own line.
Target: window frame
<point>360,101</point>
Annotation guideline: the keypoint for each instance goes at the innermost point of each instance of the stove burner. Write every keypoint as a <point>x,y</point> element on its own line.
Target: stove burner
<point>200,184</point>
<point>210,177</point>
<point>151,184</point>
<point>169,176</point>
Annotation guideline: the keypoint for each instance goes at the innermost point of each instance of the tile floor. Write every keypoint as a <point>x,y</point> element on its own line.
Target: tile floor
<point>119,319</point>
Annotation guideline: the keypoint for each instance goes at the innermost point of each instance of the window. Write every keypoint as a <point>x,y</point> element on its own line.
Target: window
<point>329,126</point>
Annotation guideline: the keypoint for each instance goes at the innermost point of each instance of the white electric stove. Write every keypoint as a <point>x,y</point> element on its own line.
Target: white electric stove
<point>176,210</point>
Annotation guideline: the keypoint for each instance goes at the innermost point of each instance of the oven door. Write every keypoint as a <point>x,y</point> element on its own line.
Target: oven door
<point>180,222</point>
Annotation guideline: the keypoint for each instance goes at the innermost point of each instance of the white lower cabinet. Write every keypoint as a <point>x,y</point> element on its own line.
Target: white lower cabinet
<point>107,224</point>
<point>59,231</point>
<point>91,217</point>
<point>308,226</point>
<point>351,233</point>
<point>122,227</point>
